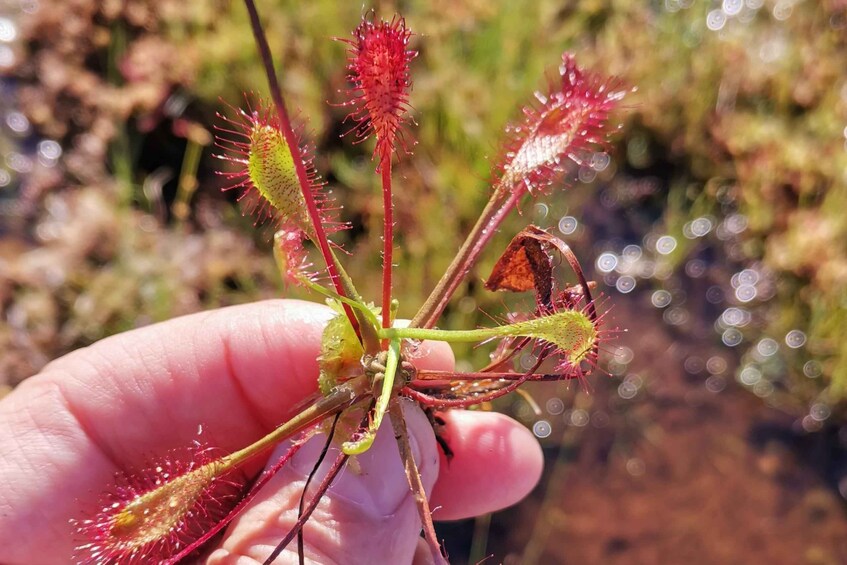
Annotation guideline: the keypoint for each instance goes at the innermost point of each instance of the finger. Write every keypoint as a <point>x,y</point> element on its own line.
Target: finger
<point>367,516</point>
<point>236,372</point>
<point>496,463</point>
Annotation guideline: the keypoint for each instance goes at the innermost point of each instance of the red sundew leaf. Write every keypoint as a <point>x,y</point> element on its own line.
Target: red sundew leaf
<point>292,259</point>
<point>379,60</point>
<point>153,513</point>
<point>565,123</point>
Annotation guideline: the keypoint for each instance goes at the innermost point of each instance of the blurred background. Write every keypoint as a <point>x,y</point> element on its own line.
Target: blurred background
<point>715,226</point>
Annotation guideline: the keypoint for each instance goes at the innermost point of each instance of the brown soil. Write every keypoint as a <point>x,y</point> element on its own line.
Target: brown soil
<point>679,475</point>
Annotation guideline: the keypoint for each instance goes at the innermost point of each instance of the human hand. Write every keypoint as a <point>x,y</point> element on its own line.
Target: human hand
<point>238,372</point>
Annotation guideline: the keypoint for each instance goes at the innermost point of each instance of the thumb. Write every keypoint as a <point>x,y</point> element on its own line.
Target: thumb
<point>368,515</point>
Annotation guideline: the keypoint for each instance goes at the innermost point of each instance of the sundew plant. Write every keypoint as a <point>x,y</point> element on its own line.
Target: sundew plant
<point>367,361</point>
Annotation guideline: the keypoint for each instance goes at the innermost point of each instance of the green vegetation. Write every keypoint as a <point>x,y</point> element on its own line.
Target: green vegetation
<point>748,119</point>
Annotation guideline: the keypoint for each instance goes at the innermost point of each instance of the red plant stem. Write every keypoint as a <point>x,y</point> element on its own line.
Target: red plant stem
<point>413,476</point>
<point>387,242</point>
<point>337,465</point>
<point>299,167</point>
<point>424,377</point>
<point>321,457</point>
<point>436,402</point>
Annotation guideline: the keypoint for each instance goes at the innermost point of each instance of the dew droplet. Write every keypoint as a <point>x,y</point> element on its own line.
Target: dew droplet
<point>732,7</point>
<point>731,337</point>
<point>661,298</point>
<point>795,339</point>
<point>694,365</point>
<point>8,31</point>
<point>695,268</point>
<point>542,429</point>
<point>568,225</point>
<point>636,467</point>
<point>625,284</point>
<point>735,317</point>
<point>579,418</point>
<point>820,412</point>
<point>810,425</point>
<point>783,9</point>
<point>750,375</point>
<point>715,384</point>
<point>600,161</point>
<point>527,360</point>
<point>767,347</point>
<point>627,390</point>
<point>665,244</point>
<point>763,389</point>
<point>624,355</point>
<point>49,149</point>
<point>19,163</point>
<point>812,369</point>
<point>617,369</point>
<point>748,276</point>
<point>632,252</point>
<point>607,262</point>
<point>715,20</point>
<point>675,316</point>
<point>586,174</point>
<point>735,223</point>
<point>701,226</point>
<point>714,295</point>
<point>716,365</point>
<point>541,211</point>
<point>17,122</point>
<point>745,293</point>
<point>555,406</point>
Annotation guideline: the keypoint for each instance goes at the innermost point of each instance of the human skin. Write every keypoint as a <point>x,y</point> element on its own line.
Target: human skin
<point>237,372</point>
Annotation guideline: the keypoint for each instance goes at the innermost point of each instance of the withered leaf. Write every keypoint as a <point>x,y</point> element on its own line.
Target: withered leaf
<point>525,265</point>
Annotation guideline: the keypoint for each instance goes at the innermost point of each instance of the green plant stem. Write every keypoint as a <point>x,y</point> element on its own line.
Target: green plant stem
<point>447,335</point>
<point>187,184</point>
<point>391,364</point>
<point>479,541</point>
<point>368,322</point>
<point>340,398</point>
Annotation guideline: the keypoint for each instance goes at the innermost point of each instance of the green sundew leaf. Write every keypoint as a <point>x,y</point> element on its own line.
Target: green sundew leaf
<point>341,351</point>
<point>571,331</point>
<point>270,166</point>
